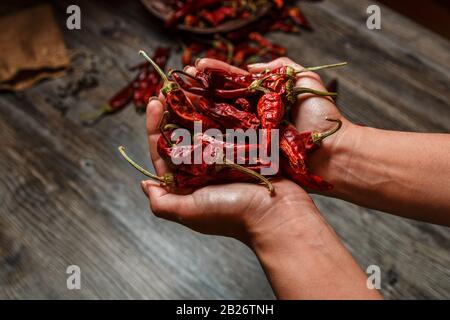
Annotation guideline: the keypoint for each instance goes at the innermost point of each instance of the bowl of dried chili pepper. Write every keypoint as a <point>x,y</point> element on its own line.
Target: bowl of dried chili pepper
<point>209,16</point>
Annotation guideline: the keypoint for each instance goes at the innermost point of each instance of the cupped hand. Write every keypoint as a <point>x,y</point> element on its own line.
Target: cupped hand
<point>239,210</point>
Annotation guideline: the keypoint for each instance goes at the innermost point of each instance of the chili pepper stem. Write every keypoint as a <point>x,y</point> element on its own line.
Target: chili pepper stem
<point>317,68</point>
<point>91,116</point>
<point>168,85</point>
<point>184,73</point>
<point>301,90</point>
<point>252,173</point>
<point>170,126</point>
<point>161,129</point>
<point>139,168</point>
<point>317,137</point>
<point>230,47</point>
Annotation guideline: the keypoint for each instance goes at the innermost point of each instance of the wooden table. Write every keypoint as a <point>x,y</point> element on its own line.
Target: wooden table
<point>67,197</point>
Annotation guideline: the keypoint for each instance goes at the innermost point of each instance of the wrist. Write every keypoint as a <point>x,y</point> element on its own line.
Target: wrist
<point>297,221</point>
<point>333,161</point>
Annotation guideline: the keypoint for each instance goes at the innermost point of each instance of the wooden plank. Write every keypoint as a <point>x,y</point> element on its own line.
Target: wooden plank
<point>68,198</point>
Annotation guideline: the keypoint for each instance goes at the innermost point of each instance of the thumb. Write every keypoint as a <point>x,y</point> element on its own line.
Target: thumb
<point>169,206</point>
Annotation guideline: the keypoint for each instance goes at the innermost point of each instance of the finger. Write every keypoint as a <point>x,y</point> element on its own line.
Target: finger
<point>204,63</point>
<point>155,111</point>
<point>310,111</point>
<point>282,62</point>
<point>279,62</point>
<point>167,205</point>
<point>191,71</point>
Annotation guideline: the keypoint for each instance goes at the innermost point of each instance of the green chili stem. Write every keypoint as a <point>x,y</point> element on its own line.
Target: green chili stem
<point>91,116</point>
<point>319,136</point>
<point>155,65</point>
<point>161,129</point>
<point>171,126</point>
<point>252,173</point>
<point>168,85</point>
<point>230,47</point>
<point>184,73</point>
<point>317,68</point>
<point>301,90</point>
<point>138,167</point>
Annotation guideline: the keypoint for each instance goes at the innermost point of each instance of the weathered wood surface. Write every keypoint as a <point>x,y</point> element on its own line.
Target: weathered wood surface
<point>66,197</point>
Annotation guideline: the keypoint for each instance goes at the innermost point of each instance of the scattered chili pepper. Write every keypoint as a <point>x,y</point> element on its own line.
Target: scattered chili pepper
<point>139,90</point>
<point>189,7</point>
<point>296,15</point>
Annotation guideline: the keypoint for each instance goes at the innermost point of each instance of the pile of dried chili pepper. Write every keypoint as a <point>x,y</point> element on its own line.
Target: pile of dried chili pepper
<point>235,101</point>
<point>239,47</point>
<point>242,46</point>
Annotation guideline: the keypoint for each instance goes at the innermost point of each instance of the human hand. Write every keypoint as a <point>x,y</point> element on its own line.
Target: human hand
<point>240,210</point>
<point>309,114</point>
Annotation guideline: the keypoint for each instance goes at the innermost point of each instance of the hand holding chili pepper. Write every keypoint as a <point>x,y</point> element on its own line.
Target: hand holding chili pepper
<point>231,209</point>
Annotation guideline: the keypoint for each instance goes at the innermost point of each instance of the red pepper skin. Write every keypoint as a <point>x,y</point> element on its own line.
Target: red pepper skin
<point>307,180</point>
<point>258,38</point>
<point>284,27</point>
<point>270,111</point>
<point>188,8</point>
<point>218,78</point>
<point>227,115</point>
<point>218,15</point>
<point>168,152</point>
<point>120,99</point>
<point>205,170</point>
<point>243,104</point>
<point>295,14</point>
<point>296,148</point>
<point>293,148</point>
<point>184,112</point>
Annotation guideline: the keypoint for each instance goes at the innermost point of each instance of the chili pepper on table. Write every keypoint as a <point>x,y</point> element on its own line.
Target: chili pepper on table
<point>139,90</point>
<point>179,105</point>
<point>188,8</point>
<point>218,15</point>
<point>297,16</point>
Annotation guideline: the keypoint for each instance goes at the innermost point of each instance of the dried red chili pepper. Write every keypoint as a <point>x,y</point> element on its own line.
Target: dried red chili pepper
<point>243,104</point>
<point>227,115</point>
<point>189,7</point>
<point>295,14</point>
<point>218,15</point>
<point>183,180</point>
<point>297,147</point>
<point>284,27</point>
<point>179,105</point>
<point>139,90</point>
<point>270,111</point>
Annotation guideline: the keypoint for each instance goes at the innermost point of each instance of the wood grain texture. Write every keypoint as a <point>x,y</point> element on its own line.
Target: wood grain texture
<point>66,196</point>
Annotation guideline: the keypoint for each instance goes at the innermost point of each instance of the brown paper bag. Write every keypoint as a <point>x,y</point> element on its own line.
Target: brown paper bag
<point>32,48</point>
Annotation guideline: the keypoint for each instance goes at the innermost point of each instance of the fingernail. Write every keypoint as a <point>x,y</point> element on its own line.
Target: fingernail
<point>144,187</point>
<point>197,61</point>
<point>256,65</point>
<point>152,98</point>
